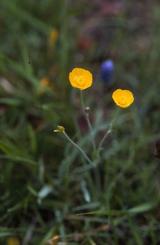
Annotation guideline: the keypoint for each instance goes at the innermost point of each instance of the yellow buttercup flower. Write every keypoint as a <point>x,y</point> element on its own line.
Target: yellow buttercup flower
<point>13,241</point>
<point>44,85</point>
<point>80,78</point>
<point>53,36</point>
<point>123,97</point>
<point>44,82</point>
<point>54,240</point>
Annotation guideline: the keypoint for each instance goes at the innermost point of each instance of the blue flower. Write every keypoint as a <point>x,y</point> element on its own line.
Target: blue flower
<point>107,71</point>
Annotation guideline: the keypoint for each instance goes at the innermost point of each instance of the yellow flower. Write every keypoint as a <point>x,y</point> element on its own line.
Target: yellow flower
<point>44,82</point>
<point>123,98</point>
<point>80,78</point>
<point>53,36</point>
<point>44,85</point>
<point>13,241</point>
<point>54,240</point>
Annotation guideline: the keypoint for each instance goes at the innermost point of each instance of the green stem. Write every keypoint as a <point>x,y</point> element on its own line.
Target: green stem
<point>86,114</point>
<point>103,140</point>
<point>96,171</point>
<point>107,132</point>
<point>78,148</point>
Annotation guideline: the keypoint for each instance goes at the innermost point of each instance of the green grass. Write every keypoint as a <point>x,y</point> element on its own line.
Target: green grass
<point>47,188</point>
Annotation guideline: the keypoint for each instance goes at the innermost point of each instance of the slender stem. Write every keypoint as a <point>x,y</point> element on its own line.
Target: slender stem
<point>82,101</point>
<point>107,132</point>
<point>103,139</point>
<point>96,170</point>
<point>88,120</point>
<point>78,147</point>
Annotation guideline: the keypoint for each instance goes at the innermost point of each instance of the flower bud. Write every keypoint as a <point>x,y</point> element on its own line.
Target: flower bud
<point>59,129</point>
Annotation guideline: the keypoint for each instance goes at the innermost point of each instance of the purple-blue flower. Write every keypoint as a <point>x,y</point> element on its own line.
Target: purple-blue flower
<point>107,71</point>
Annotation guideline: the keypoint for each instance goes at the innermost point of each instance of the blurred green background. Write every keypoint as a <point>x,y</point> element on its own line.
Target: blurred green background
<point>46,188</point>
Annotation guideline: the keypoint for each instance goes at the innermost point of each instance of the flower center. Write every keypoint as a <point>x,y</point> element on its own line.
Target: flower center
<point>80,79</point>
<point>123,100</point>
